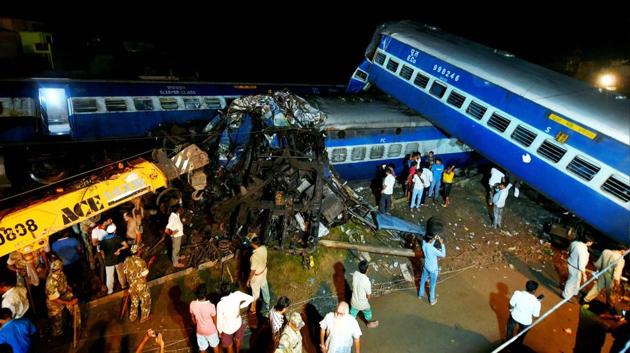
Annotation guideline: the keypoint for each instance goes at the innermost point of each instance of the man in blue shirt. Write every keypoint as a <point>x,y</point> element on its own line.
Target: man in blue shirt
<point>68,250</point>
<point>17,333</point>
<point>430,269</point>
<point>434,188</point>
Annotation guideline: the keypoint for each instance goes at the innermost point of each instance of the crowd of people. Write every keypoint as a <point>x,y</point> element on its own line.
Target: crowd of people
<point>56,277</point>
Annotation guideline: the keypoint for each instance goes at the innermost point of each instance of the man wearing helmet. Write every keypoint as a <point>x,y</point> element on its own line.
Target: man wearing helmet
<point>136,272</point>
<point>58,296</point>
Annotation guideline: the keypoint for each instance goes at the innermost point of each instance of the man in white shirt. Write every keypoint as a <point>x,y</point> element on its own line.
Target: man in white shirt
<point>496,177</point>
<point>175,228</point>
<point>361,293</point>
<point>523,306</point>
<point>385,205</point>
<point>610,279</point>
<point>14,298</point>
<point>577,261</point>
<point>338,331</point>
<point>499,203</point>
<point>427,178</point>
<point>229,322</point>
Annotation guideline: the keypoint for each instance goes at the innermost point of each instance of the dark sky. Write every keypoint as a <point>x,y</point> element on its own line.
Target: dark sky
<point>324,44</point>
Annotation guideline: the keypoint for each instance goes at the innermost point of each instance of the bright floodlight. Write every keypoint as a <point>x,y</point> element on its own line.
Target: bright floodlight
<point>52,96</point>
<point>607,81</point>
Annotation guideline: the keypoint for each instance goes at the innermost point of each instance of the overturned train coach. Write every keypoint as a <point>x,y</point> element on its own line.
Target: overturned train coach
<point>565,138</point>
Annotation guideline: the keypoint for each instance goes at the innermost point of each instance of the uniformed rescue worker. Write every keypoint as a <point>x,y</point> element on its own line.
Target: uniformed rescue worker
<point>136,272</point>
<point>58,296</point>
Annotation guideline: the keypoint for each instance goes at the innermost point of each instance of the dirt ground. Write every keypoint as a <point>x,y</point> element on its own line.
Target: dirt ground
<point>482,268</point>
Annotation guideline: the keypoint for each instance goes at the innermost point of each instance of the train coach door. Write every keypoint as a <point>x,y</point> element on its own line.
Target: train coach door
<point>54,105</point>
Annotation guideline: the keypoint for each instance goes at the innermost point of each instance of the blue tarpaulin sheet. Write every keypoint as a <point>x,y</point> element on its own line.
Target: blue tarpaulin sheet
<point>387,222</point>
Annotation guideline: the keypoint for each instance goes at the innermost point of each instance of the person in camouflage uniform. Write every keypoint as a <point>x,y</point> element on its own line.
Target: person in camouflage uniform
<point>136,271</point>
<point>58,296</point>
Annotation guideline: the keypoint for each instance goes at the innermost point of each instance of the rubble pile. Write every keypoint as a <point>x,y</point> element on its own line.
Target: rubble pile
<point>269,175</point>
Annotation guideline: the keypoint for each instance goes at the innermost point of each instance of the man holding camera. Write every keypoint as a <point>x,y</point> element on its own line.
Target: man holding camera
<point>431,252</point>
<point>523,306</point>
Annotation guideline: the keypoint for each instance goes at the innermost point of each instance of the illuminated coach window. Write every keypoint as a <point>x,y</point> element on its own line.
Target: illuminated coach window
<point>169,103</point>
<point>143,103</point>
<point>339,155</point>
<point>358,153</point>
<point>437,89</point>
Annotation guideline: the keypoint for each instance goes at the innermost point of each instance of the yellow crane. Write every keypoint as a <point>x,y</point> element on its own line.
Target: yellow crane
<point>27,228</point>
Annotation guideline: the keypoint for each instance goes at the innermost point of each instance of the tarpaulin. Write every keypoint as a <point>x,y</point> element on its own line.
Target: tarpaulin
<point>388,222</point>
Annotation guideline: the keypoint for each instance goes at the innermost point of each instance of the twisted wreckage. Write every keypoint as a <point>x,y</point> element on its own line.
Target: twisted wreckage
<point>260,167</point>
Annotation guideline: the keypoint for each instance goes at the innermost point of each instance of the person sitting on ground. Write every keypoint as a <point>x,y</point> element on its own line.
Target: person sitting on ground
<point>17,333</point>
<point>361,293</point>
<point>277,318</point>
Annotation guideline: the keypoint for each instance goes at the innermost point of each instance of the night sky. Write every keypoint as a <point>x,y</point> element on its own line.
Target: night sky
<point>324,45</point>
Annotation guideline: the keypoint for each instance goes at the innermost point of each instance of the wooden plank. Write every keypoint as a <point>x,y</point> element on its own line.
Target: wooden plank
<point>368,248</point>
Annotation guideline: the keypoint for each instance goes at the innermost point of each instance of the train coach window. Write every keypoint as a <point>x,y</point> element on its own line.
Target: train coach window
<point>84,105</point>
<point>394,150</point>
<point>421,80</point>
<point>379,58</point>
<point>143,103</point>
<point>358,153</point>
<point>169,103</point>
<point>377,152</point>
<point>437,89</point>
<point>523,136</point>
<point>192,104</point>
<point>618,188</point>
<point>411,148</point>
<point>406,72</point>
<point>339,155</point>
<point>583,168</point>
<point>214,103</point>
<point>476,110</point>
<point>498,122</point>
<point>455,99</point>
<point>550,151</point>
<point>115,104</point>
<point>392,65</point>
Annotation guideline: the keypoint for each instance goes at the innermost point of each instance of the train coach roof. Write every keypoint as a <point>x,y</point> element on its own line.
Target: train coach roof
<point>569,97</point>
<point>351,113</point>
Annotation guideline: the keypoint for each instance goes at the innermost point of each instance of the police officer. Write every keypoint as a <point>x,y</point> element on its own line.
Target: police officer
<point>58,296</point>
<point>136,272</point>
